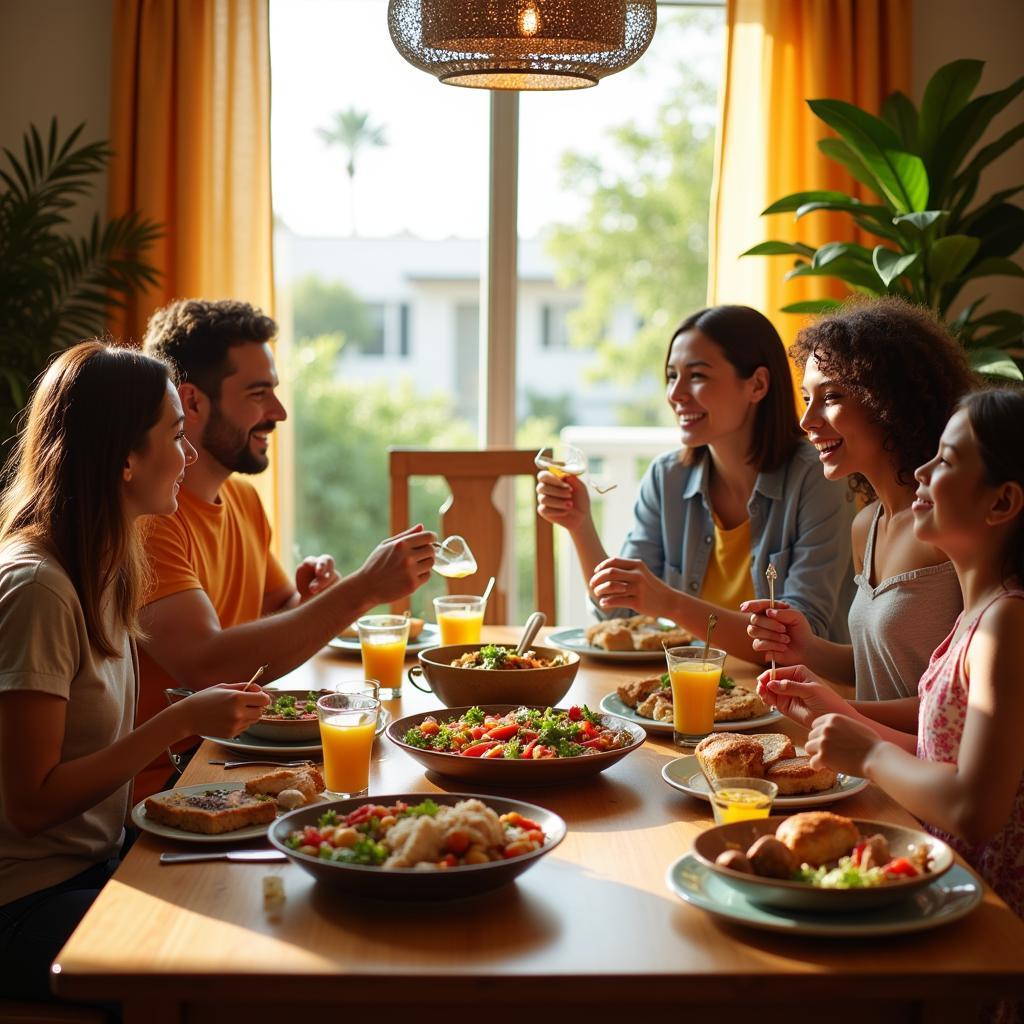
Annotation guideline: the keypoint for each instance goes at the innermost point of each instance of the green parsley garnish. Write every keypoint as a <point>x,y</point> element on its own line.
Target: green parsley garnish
<point>474,716</point>
<point>415,738</point>
<point>494,656</point>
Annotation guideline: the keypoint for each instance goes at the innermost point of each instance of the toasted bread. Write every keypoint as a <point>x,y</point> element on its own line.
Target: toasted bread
<point>738,704</point>
<point>776,747</point>
<point>634,691</point>
<point>307,780</point>
<point>658,706</point>
<point>818,837</point>
<point>725,755</point>
<point>795,775</point>
<point>211,812</point>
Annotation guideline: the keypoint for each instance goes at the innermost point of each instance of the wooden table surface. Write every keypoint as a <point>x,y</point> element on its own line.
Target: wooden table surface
<point>592,929</point>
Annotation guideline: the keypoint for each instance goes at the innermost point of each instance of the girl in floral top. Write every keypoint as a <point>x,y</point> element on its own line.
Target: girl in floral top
<point>963,773</point>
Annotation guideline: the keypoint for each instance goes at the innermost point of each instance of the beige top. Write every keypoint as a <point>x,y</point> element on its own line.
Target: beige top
<point>44,646</point>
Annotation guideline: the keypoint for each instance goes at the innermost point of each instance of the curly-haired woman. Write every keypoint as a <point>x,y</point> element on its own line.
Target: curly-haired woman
<point>880,379</point>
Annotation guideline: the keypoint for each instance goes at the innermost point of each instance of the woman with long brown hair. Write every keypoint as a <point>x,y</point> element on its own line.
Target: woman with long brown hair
<point>102,446</point>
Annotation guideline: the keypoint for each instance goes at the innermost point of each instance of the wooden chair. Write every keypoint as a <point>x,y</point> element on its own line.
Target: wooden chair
<point>470,512</point>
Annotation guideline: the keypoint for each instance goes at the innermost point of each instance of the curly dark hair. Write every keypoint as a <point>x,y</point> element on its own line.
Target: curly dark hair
<point>195,335</point>
<point>903,366</point>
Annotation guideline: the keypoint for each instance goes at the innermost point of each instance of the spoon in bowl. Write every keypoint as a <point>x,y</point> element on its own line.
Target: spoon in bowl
<point>530,631</point>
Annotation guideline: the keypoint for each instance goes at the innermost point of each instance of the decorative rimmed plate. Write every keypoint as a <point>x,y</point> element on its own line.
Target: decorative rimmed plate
<point>613,704</point>
<point>947,899</point>
<point>547,772</point>
<point>685,775</point>
<point>252,745</point>
<point>576,640</point>
<point>167,832</point>
<point>411,883</point>
<point>430,636</point>
<point>802,897</point>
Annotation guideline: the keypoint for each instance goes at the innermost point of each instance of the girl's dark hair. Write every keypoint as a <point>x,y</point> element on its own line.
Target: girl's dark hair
<point>748,340</point>
<point>92,407</point>
<point>902,365</point>
<point>997,420</point>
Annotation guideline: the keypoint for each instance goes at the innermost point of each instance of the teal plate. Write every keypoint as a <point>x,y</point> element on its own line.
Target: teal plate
<point>947,899</point>
<point>576,640</point>
<point>613,704</point>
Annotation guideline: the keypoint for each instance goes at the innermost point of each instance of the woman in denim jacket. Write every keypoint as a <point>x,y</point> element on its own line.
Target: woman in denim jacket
<point>744,492</point>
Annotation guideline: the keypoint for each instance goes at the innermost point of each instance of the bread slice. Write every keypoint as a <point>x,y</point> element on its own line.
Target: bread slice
<point>307,780</point>
<point>794,775</point>
<point>818,837</point>
<point>636,691</point>
<point>777,746</point>
<point>738,704</point>
<point>725,755</point>
<point>212,811</point>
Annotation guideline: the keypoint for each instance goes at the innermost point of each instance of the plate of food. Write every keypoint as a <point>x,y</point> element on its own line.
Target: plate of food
<point>648,702</point>
<point>777,760</point>
<point>414,846</point>
<point>516,745</point>
<point>224,812</point>
<point>821,862</point>
<point>247,743</point>
<point>947,899</point>
<point>637,638</point>
<point>422,635</point>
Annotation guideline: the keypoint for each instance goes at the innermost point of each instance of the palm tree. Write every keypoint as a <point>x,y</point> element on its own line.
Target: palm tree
<point>352,131</point>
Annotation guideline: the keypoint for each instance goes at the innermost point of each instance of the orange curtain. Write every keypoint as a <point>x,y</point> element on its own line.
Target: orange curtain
<point>190,129</point>
<point>780,53</point>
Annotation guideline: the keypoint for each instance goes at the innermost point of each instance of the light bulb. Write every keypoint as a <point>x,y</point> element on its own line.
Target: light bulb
<point>529,21</point>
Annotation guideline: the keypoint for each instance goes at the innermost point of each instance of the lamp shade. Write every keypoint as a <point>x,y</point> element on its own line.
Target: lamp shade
<point>522,44</point>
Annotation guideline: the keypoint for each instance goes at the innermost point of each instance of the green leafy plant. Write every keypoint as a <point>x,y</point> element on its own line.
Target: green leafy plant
<point>932,240</point>
<point>56,289</point>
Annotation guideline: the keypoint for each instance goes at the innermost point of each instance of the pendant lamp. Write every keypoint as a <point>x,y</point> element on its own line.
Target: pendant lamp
<point>522,44</point>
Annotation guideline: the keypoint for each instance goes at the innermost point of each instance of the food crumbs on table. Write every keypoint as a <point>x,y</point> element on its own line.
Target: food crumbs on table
<point>273,892</point>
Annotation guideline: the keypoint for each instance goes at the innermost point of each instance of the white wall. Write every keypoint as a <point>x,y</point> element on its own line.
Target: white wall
<point>55,59</point>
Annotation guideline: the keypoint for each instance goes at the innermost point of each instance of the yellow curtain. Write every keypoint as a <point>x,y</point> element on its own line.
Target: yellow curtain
<point>780,53</point>
<point>190,129</point>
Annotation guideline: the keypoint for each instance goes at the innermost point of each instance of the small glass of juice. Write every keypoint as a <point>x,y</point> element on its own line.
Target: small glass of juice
<point>382,640</point>
<point>694,673</point>
<point>348,723</point>
<point>742,799</point>
<point>460,618</point>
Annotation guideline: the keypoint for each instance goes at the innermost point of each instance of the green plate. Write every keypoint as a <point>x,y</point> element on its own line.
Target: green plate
<point>947,899</point>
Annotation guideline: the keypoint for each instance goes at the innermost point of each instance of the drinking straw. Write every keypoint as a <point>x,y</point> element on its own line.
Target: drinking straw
<point>712,622</point>
<point>771,575</point>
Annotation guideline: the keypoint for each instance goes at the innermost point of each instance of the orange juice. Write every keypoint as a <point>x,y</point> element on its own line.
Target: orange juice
<point>738,804</point>
<point>694,685</point>
<point>461,626</point>
<point>347,740</point>
<point>384,661</point>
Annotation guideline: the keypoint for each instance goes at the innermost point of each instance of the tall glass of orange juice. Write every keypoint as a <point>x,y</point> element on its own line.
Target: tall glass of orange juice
<point>382,640</point>
<point>694,673</point>
<point>460,618</point>
<point>348,723</point>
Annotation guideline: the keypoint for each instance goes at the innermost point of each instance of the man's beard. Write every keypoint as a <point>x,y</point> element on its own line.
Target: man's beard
<point>230,446</point>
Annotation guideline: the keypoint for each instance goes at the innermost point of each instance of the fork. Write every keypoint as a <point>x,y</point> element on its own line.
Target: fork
<point>246,764</point>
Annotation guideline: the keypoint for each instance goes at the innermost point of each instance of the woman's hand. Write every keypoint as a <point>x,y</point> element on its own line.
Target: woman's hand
<point>628,583</point>
<point>780,632</point>
<point>223,710</point>
<point>798,696</point>
<point>841,743</point>
<point>563,501</point>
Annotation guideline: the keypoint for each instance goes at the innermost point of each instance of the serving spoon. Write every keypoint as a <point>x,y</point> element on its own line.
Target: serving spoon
<point>530,631</point>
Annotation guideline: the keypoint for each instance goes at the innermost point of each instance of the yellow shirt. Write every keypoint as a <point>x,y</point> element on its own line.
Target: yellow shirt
<point>727,581</point>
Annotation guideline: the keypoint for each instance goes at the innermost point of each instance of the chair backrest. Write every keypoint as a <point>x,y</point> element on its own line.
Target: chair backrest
<point>470,512</point>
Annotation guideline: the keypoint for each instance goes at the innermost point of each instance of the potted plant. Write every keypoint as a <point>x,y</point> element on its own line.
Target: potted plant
<point>56,289</point>
<point>933,237</point>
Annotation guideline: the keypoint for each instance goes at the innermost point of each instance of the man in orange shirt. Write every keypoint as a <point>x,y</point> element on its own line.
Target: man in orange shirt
<point>222,605</point>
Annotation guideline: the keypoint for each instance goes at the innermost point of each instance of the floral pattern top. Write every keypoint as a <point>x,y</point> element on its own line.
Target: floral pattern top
<point>943,691</point>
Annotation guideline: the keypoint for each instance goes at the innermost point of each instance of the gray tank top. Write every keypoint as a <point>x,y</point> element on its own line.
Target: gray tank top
<point>895,626</point>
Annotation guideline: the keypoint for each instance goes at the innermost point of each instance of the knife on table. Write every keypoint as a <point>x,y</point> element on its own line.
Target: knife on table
<point>238,855</point>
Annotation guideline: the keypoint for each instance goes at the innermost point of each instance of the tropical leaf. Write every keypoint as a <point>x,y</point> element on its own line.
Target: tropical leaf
<point>813,306</point>
<point>994,266</point>
<point>901,175</point>
<point>892,265</point>
<point>773,248</point>
<point>788,204</point>
<point>991,152</point>
<point>991,362</point>
<point>945,95</point>
<point>1001,230</point>
<point>902,116</point>
<point>922,220</point>
<point>854,272</point>
<point>949,257</point>
<point>836,149</point>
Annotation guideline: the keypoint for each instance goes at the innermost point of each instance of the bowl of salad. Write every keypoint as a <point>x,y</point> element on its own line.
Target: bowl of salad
<point>823,862</point>
<point>514,744</point>
<point>463,674</point>
<point>414,846</point>
<point>290,717</point>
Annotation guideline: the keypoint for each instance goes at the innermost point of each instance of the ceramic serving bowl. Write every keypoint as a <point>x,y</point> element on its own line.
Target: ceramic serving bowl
<point>464,687</point>
<point>801,896</point>
<point>288,730</point>
<point>410,883</point>
<point>546,772</point>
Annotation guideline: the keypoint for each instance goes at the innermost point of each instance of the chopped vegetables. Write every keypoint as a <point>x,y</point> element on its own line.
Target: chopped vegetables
<point>504,658</point>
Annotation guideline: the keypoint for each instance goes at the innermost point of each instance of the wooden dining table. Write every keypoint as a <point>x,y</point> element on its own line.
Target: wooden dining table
<point>590,932</point>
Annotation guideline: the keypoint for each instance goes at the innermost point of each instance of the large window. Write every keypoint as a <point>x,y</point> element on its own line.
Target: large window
<point>381,197</point>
